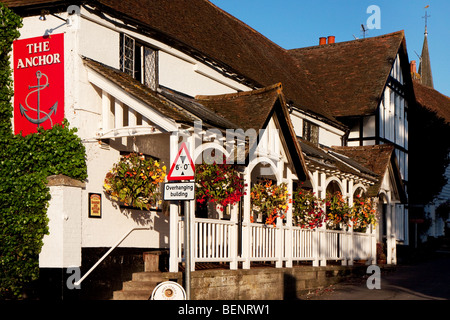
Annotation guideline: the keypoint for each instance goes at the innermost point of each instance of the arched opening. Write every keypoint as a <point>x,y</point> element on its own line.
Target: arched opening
<point>360,192</point>
<point>212,177</point>
<point>333,187</point>
<point>264,182</point>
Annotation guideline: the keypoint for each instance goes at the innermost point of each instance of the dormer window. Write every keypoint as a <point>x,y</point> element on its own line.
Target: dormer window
<point>139,61</point>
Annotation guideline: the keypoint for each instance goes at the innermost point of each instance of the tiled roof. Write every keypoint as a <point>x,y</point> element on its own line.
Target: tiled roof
<point>221,37</point>
<point>247,110</point>
<point>191,105</point>
<point>351,75</point>
<point>253,110</point>
<point>228,111</point>
<point>209,33</point>
<point>377,159</point>
<point>23,3</point>
<point>432,100</point>
<point>143,93</point>
<point>329,159</point>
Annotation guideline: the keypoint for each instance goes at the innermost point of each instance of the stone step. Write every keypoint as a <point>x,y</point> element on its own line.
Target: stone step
<point>147,276</point>
<point>142,285</point>
<point>132,295</point>
<point>139,285</point>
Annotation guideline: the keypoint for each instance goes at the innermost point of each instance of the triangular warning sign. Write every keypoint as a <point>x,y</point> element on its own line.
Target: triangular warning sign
<point>182,167</point>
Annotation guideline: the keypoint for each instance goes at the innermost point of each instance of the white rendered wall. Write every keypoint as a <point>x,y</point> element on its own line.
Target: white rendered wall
<point>62,246</point>
<point>328,135</point>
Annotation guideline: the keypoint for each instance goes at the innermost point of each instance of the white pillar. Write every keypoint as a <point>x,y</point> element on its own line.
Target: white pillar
<point>246,235</point>
<point>234,234</point>
<point>322,242</point>
<point>174,240</point>
<point>191,148</point>
<point>389,238</point>
<point>118,114</point>
<point>373,238</point>
<point>288,228</point>
<point>132,117</point>
<point>62,246</point>
<point>106,111</point>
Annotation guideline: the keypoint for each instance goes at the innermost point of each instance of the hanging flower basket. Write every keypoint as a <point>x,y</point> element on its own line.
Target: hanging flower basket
<point>219,183</point>
<point>270,200</point>
<point>135,181</point>
<point>363,213</point>
<point>308,210</point>
<point>339,213</point>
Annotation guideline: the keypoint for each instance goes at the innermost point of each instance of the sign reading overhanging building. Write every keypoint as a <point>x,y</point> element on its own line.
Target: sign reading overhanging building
<point>182,168</point>
<point>38,83</point>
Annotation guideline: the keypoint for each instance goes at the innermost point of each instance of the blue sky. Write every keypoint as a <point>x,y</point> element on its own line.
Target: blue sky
<point>299,23</point>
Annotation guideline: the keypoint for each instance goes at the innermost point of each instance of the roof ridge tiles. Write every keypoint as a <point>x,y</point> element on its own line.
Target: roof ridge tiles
<point>387,35</point>
<point>278,87</point>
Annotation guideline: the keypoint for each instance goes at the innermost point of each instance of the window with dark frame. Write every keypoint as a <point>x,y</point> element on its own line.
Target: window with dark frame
<point>310,132</point>
<point>139,61</point>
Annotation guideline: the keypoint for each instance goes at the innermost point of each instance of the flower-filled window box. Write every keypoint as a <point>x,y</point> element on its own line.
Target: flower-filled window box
<point>135,181</point>
<point>270,200</point>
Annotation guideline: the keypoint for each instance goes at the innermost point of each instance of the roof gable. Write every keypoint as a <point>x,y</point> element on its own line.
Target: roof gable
<point>378,158</point>
<point>253,110</point>
<point>352,75</point>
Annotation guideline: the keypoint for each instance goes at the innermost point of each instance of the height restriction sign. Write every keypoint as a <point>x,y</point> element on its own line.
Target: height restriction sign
<point>183,167</point>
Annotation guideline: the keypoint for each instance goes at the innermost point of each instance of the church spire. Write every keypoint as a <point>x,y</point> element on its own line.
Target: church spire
<point>425,64</point>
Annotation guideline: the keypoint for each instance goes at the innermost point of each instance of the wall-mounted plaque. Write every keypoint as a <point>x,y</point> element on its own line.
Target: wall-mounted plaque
<point>95,205</point>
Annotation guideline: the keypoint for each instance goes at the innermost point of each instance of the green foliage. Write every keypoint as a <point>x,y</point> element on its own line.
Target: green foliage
<point>9,25</point>
<point>55,151</point>
<point>25,163</point>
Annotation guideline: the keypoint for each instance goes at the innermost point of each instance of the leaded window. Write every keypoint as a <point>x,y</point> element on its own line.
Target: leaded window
<point>139,61</point>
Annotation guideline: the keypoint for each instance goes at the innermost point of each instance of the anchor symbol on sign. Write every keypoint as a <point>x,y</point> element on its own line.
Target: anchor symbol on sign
<point>38,88</point>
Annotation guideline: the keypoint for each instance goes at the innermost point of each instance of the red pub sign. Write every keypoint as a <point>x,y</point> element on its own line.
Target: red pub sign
<point>38,83</point>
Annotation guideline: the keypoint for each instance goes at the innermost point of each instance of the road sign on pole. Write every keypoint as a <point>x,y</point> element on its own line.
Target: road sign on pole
<point>182,167</point>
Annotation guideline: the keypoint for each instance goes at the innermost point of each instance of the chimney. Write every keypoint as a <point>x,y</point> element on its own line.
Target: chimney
<point>413,66</point>
<point>322,41</point>
<point>331,39</point>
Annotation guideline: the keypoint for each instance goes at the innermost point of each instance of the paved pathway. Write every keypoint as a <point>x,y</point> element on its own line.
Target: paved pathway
<point>427,280</point>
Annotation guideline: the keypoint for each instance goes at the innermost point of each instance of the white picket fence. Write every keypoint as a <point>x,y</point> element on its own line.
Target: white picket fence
<point>217,241</point>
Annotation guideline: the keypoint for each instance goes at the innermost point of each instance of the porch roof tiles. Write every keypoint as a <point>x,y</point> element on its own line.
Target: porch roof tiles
<point>253,110</point>
<point>331,159</point>
<point>143,93</point>
<point>376,158</point>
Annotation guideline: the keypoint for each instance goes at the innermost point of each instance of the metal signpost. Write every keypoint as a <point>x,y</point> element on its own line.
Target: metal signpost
<point>181,172</point>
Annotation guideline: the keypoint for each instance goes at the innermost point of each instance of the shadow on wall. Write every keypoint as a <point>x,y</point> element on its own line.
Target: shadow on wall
<point>290,287</point>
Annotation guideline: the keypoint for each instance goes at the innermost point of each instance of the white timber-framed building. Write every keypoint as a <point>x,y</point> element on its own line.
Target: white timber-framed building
<point>138,78</point>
